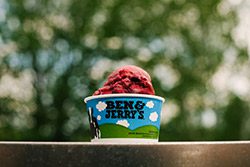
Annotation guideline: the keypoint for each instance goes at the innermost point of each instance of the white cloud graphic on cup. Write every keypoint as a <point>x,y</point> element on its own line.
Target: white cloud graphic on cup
<point>153,116</point>
<point>150,104</point>
<point>101,106</point>
<point>123,123</point>
<point>99,117</point>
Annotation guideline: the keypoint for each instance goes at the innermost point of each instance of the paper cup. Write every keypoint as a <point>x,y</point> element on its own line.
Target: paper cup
<point>124,117</point>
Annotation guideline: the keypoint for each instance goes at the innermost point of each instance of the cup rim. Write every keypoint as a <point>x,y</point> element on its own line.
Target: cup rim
<point>124,95</point>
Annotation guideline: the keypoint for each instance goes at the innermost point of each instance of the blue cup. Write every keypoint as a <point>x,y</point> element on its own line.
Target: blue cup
<point>124,117</point>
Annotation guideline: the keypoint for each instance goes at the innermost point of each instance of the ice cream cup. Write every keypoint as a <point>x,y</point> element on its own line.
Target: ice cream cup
<point>124,118</point>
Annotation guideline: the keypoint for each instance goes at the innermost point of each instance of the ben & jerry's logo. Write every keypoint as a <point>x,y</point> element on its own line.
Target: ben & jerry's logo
<point>125,109</point>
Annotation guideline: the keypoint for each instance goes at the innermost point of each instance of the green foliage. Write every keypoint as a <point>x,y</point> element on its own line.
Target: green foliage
<point>55,53</point>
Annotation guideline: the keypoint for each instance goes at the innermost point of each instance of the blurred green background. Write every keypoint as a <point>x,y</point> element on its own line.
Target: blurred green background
<point>53,53</point>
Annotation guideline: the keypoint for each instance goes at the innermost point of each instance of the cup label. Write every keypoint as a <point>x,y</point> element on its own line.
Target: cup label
<point>124,117</point>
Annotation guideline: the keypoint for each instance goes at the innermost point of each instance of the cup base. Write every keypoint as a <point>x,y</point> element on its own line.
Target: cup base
<point>124,140</point>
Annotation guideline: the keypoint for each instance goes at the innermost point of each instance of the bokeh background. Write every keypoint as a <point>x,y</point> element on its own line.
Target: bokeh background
<point>53,53</point>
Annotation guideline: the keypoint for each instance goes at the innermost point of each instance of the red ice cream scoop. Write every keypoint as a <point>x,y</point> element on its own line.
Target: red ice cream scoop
<point>127,79</point>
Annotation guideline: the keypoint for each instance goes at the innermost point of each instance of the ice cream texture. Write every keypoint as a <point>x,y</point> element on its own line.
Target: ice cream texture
<point>127,79</point>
